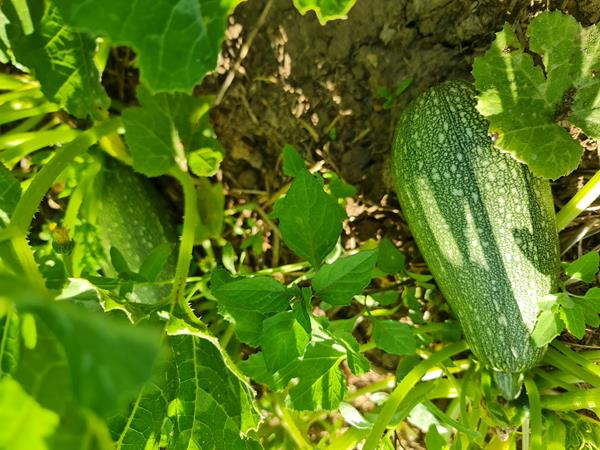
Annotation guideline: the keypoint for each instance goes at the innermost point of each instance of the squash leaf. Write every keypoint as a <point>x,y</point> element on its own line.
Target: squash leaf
<point>177,43</point>
<point>527,105</point>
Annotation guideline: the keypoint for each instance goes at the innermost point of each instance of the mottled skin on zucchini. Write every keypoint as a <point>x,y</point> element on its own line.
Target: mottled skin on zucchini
<point>484,224</point>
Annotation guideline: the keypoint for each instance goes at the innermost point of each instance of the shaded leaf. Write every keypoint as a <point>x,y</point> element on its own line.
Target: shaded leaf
<point>310,221</point>
<point>339,282</point>
<point>10,344</point>
<point>164,127</point>
<point>177,43</point>
<point>208,404</point>
<point>155,262</point>
<point>574,320</point>
<point>256,368</point>
<point>394,337</point>
<point>321,382</point>
<point>10,193</point>
<point>292,161</point>
<point>283,339</point>
<point>521,106</point>
<point>547,327</point>
<point>247,302</point>
<point>584,268</point>
<point>339,189</point>
<point>61,59</point>
<point>390,260</point>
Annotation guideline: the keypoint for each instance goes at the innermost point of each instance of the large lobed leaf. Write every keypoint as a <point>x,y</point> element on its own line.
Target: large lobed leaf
<point>525,103</point>
<point>177,42</point>
<point>196,390</point>
<point>61,59</point>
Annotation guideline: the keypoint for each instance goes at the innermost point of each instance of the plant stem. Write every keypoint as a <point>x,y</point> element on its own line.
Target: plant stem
<point>576,357</point>
<point>407,383</point>
<point>535,415</point>
<point>30,200</point>
<point>567,364</point>
<point>571,401</point>
<point>186,246</point>
<point>580,201</point>
<point>290,425</point>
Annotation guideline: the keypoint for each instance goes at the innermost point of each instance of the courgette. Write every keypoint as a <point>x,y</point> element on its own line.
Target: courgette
<point>132,216</point>
<point>483,223</point>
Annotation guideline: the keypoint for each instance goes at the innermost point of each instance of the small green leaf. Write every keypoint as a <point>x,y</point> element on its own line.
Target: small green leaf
<point>339,189</point>
<point>405,365</point>
<point>434,440</point>
<point>25,424</point>
<point>164,127</point>
<point>357,363</point>
<point>302,309</point>
<point>256,368</point>
<point>247,302</point>
<point>394,337</point>
<point>584,268</point>
<point>325,10</point>
<point>118,261</point>
<point>574,320</point>
<point>261,294</point>
<point>310,221</point>
<point>292,161</point>
<point>283,339</point>
<point>339,282</point>
<point>592,298</point>
<point>205,162</point>
<point>390,260</point>
<point>156,260</point>
<point>322,384</point>
<point>547,327</point>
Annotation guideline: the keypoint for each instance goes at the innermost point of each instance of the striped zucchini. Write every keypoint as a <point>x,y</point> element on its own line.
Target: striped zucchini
<point>483,223</point>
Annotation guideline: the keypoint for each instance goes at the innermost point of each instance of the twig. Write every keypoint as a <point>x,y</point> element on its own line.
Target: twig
<point>243,53</point>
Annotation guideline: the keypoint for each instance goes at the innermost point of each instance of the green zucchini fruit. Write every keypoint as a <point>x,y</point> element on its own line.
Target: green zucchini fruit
<point>483,223</point>
<point>133,218</point>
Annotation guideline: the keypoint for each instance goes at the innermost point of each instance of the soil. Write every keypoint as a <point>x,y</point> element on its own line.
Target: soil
<point>319,87</point>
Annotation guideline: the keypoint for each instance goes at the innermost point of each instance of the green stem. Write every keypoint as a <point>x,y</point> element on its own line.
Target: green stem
<point>580,201</point>
<point>20,145</point>
<point>571,401</point>
<point>567,364</point>
<point>535,415</point>
<point>405,386</point>
<point>186,246</point>
<point>444,418</point>
<point>380,385</point>
<point>11,116</point>
<point>577,358</point>
<point>289,424</point>
<point>27,261</point>
<point>288,268</point>
<point>41,183</point>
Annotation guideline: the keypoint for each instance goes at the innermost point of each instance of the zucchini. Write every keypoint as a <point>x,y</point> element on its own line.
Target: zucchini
<point>483,223</point>
<point>133,217</point>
